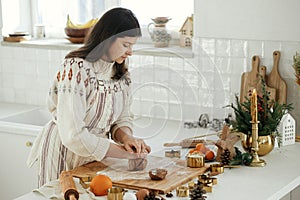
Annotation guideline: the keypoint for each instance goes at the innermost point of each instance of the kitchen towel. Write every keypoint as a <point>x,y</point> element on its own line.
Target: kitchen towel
<point>52,190</point>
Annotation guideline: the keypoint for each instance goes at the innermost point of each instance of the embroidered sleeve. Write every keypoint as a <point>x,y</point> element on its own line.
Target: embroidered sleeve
<point>126,117</point>
<point>72,88</point>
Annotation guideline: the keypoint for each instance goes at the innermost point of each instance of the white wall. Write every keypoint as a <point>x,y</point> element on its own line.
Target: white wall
<point>212,76</point>
<point>256,19</point>
<point>1,23</point>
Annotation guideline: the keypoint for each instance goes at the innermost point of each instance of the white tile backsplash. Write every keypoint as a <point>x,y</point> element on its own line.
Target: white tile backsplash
<point>255,47</point>
<point>223,47</point>
<point>165,87</point>
<point>238,48</point>
<point>206,47</point>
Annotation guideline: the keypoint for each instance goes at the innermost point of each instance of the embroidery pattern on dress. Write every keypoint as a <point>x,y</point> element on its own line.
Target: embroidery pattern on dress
<point>78,77</point>
<point>58,76</point>
<point>64,75</point>
<point>70,74</point>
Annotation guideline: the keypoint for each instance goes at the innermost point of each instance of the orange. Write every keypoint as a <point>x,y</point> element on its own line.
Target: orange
<point>202,148</point>
<point>205,149</point>
<point>193,151</point>
<point>199,146</point>
<point>209,155</point>
<point>100,185</point>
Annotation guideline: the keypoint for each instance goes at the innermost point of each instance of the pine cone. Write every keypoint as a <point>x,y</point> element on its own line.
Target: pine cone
<point>197,193</point>
<point>225,157</point>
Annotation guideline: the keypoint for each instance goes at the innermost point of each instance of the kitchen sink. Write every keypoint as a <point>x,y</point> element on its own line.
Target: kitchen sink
<point>25,123</point>
<point>37,117</point>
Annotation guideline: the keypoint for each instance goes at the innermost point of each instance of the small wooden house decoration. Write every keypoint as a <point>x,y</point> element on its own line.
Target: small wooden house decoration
<point>186,33</point>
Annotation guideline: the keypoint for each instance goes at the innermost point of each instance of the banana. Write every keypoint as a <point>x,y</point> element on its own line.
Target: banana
<point>88,24</point>
<point>70,23</point>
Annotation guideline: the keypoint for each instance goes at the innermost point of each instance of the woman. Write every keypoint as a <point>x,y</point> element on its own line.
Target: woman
<point>89,101</point>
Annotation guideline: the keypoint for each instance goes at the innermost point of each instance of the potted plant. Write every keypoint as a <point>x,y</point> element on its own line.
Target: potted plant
<point>270,114</point>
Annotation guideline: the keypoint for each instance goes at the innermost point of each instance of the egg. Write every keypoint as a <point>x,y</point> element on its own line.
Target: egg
<point>129,196</point>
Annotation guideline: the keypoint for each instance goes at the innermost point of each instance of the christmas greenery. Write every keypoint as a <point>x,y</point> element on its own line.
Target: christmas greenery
<point>241,158</point>
<point>270,114</point>
<point>296,65</point>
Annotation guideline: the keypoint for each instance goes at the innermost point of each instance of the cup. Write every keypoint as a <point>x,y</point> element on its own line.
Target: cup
<point>39,31</point>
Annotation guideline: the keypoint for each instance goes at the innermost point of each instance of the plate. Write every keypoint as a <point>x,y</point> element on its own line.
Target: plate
<point>76,40</point>
<point>16,38</point>
<point>18,34</point>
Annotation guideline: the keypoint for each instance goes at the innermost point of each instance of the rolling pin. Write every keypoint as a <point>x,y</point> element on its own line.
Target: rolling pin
<point>193,141</point>
<point>189,143</point>
<point>68,186</point>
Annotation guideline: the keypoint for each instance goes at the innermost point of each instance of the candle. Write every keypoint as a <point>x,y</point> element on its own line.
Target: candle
<point>254,106</point>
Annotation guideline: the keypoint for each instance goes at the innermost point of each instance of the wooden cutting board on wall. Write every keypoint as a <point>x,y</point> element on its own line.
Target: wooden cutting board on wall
<point>274,80</point>
<point>270,90</point>
<point>275,85</point>
<point>178,173</point>
<point>250,79</point>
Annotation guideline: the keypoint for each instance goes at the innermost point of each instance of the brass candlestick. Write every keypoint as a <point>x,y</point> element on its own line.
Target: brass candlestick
<point>256,162</point>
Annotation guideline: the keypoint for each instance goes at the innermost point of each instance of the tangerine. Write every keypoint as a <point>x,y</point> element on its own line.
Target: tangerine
<point>209,155</point>
<point>100,185</point>
<point>202,148</point>
<point>199,146</point>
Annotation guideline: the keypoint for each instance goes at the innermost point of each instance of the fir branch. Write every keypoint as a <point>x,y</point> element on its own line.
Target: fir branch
<point>270,114</point>
<point>296,66</point>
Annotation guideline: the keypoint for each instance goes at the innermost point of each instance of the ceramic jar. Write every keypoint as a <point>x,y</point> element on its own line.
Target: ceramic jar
<point>158,31</point>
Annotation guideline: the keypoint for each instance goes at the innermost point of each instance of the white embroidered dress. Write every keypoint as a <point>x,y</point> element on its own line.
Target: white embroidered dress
<point>87,106</point>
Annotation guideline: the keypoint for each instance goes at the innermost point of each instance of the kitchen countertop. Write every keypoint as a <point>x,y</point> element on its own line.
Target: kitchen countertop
<point>272,182</point>
<point>280,176</point>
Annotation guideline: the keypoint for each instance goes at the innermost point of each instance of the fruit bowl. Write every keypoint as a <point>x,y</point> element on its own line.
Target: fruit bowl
<point>77,32</point>
<point>76,40</point>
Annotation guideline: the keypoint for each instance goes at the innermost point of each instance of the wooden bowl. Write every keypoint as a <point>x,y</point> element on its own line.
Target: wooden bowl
<point>77,32</point>
<point>76,40</point>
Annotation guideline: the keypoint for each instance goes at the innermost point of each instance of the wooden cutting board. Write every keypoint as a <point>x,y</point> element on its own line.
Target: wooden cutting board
<point>274,80</point>
<point>178,173</point>
<point>270,90</point>
<point>249,79</point>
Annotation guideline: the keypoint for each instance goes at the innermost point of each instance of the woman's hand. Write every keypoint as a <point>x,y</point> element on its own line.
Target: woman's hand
<point>118,151</point>
<point>135,145</point>
<point>131,144</point>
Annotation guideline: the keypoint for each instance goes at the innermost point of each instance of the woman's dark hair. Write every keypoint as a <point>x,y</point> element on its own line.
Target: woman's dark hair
<point>115,23</point>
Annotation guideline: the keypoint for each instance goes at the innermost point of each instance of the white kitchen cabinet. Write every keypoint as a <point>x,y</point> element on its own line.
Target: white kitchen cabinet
<point>16,178</point>
<point>295,194</point>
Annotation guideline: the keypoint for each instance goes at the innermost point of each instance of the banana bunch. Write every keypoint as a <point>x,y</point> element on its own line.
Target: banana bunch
<point>88,24</point>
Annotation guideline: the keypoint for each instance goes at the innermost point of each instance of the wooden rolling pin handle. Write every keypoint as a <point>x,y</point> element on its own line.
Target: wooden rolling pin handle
<point>71,194</point>
<point>171,144</point>
<point>68,186</point>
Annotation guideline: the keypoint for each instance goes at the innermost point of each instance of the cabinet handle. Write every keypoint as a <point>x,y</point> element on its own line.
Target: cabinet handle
<point>28,144</point>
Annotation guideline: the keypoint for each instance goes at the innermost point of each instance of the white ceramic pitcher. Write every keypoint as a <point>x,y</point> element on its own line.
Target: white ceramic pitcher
<point>158,31</point>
